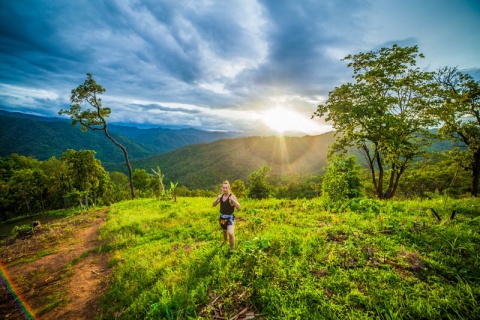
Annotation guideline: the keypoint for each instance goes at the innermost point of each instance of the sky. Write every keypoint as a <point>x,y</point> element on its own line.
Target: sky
<point>236,65</point>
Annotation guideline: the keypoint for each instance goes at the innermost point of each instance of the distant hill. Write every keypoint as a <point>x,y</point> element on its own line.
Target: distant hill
<point>205,165</point>
<point>44,137</point>
<point>162,140</point>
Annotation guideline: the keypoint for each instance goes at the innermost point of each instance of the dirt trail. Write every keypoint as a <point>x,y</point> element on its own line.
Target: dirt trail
<point>66,284</point>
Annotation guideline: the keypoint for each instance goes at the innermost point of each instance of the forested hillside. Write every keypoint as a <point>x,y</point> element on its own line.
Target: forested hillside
<point>162,139</point>
<point>204,165</point>
<point>43,137</point>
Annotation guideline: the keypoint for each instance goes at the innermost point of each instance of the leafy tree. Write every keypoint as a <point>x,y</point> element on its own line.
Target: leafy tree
<point>141,180</point>
<point>24,184</point>
<point>259,187</point>
<point>22,187</point>
<point>383,113</point>
<point>58,181</point>
<point>93,119</point>
<point>86,172</point>
<point>342,179</point>
<point>238,188</point>
<point>120,186</point>
<point>460,116</point>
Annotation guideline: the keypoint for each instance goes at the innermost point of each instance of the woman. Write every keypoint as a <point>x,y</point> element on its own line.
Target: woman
<point>228,203</point>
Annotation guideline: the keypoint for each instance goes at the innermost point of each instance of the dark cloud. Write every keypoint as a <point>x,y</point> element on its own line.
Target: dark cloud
<point>203,60</point>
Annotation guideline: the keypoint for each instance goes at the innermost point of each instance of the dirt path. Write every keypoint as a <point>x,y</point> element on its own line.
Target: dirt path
<point>65,284</point>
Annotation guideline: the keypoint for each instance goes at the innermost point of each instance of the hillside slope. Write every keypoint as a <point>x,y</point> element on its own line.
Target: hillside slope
<point>44,139</point>
<point>204,165</point>
<point>162,140</point>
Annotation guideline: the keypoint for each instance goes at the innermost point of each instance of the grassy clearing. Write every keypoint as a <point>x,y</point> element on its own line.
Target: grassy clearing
<point>294,259</point>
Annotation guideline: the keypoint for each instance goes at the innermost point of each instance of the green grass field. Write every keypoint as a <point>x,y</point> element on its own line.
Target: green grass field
<point>294,260</point>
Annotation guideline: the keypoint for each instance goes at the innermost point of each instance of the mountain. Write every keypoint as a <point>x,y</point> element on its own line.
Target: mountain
<point>203,166</point>
<point>162,140</point>
<point>44,137</point>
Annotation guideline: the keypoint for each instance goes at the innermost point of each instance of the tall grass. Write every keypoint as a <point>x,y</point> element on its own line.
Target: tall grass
<point>294,259</point>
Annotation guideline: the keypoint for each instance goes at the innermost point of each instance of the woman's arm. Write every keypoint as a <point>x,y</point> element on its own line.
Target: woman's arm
<point>216,201</point>
<point>234,202</point>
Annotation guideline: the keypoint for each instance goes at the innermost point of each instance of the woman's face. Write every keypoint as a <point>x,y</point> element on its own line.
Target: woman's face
<point>225,188</point>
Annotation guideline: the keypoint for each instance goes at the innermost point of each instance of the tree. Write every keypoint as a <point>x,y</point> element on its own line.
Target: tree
<point>93,119</point>
<point>460,116</point>
<point>342,179</point>
<point>258,185</point>
<point>24,184</point>
<point>383,113</point>
<point>85,171</point>
<point>58,183</point>
<point>141,181</point>
<point>120,186</point>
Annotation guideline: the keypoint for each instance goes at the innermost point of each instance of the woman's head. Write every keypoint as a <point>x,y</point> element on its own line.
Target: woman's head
<point>226,187</point>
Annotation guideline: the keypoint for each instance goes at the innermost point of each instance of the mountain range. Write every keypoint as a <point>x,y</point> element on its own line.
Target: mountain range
<point>205,165</point>
<point>194,158</point>
<point>44,137</point>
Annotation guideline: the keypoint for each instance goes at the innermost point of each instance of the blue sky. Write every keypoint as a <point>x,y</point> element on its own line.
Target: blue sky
<point>215,65</point>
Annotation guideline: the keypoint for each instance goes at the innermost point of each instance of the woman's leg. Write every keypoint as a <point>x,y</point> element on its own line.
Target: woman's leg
<point>230,231</point>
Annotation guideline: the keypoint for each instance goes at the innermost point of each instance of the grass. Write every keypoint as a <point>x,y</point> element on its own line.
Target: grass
<point>294,260</point>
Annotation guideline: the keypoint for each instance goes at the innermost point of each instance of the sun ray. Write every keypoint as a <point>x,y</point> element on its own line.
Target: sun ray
<point>283,120</point>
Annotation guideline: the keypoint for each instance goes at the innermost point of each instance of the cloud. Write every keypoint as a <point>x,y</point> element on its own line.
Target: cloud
<point>209,64</point>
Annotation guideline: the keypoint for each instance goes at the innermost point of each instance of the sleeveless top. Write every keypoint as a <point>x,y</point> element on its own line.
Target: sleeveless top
<point>225,207</point>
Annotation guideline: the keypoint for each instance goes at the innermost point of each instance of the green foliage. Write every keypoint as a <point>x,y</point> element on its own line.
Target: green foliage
<point>373,259</point>
<point>141,180</point>
<point>238,188</point>
<point>440,173</point>
<point>258,186</point>
<point>298,187</point>
<point>459,115</point>
<point>342,179</point>
<point>158,182</point>
<point>86,173</point>
<point>22,230</point>
<point>31,186</point>
<point>383,113</point>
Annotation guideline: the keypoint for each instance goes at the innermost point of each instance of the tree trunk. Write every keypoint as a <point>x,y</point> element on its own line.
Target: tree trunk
<point>86,200</point>
<point>129,167</point>
<point>371,166</point>
<point>378,159</point>
<point>476,173</point>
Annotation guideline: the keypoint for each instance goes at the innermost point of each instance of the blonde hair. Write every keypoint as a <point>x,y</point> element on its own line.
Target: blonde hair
<point>226,182</point>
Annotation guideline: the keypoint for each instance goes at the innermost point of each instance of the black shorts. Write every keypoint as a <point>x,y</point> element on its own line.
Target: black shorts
<point>226,220</point>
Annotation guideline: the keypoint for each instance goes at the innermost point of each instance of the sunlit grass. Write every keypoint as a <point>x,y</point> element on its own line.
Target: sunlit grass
<point>294,259</point>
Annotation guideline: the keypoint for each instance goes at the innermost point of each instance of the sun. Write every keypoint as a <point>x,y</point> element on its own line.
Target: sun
<point>282,120</point>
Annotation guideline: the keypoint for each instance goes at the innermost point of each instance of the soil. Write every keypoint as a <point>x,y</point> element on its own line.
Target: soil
<point>58,270</point>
